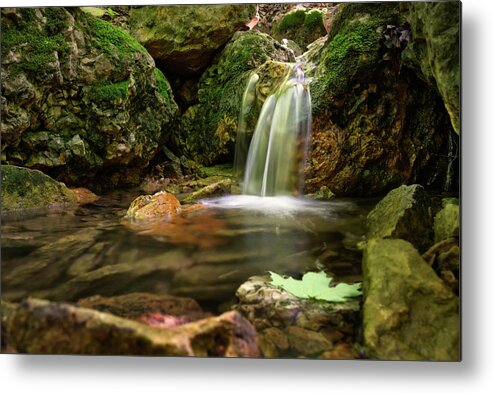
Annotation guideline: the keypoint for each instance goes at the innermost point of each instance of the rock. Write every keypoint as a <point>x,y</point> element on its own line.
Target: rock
<point>376,125</point>
<point>323,194</point>
<point>6,310</point>
<point>408,312</point>
<point>207,130</point>
<point>447,223</point>
<point>161,204</point>
<point>306,342</point>
<point>84,196</point>
<point>30,190</point>
<point>444,258</point>
<point>139,305</point>
<point>219,188</point>
<point>273,342</point>
<point>81,99</point>
<point>267,306</point>
<point>433,50</point>
<point>301,25</point>
<point>184,39</point>
<point>404,213</point>
<point>38,326</point>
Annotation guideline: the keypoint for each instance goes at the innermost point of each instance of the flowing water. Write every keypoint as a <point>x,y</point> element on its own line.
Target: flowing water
<point>205,254</point>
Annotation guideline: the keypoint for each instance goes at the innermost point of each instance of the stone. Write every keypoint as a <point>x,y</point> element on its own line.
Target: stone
<point>266,306</point>
<point>307,342</point>
<point>84,196</point>
<point>161,204</point>
<point>184,39</point>
<point>408,312</point>
<point>273,342</point>
<point>219,188</point>
<point>434,50</point>
<point>207,130</point>
<point>404,213</point>
<point>446,223</point>
<point>120,104</point>
<point>376,125</point>
<point>38,326</point>
<point>31,190</point>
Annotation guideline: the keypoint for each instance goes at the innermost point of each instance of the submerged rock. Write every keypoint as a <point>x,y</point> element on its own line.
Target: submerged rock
<point>404,213</point>
<point>408,312</point>
<point>38,326</point>
<point>161,204</point>
<point>184,39</point>
<point>26,189</point>
<point>376,124</point>
<point>81,98</point>
<point>207,130</point>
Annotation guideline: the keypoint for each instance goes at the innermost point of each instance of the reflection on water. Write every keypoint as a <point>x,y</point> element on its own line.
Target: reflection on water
<point>205,253</point>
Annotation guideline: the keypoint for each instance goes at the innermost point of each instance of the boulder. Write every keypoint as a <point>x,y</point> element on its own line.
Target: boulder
<point>161,204</point>
<point>404,213</point>
<point>81,99</point>
<point>408,312</point>
<point>376,124</point>
<point>184,39</point>
<point>433,50</point>
<point>207,130</point>
<point>30,190</point>
<point>219,188</point>
<point>446,222</point>
<point>38,326</point>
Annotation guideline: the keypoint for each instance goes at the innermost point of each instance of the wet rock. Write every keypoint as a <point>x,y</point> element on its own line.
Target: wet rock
<point>26,189</point>
<point>219,188</point>
<point>81,98</point>
<point>267,306</point>
<point>184,39</point>
<point>207,130</point>
<point>84,196</point>
<point>376,125</point>
<point>39,326</point>
<point>433,50</point>
<point>447,223</point>
<point>404,213</point>
<point>323,194</point>
<point>408,312</point>
<point>139,305</point>
<point>161,204</point>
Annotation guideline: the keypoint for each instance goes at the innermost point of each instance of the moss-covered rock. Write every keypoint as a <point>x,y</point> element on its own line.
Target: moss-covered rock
<point>434,50</point>
<point>408,312</point>
<point>81,98</point>
<point>38,326</point>
<point>207,130</point>
<point>301,25</point>
<point>29,189</point>
<point>447,222</point>
<point>184,39</point>
<point>216,189</point>
<point>376,125</point>
<point>404,213</point>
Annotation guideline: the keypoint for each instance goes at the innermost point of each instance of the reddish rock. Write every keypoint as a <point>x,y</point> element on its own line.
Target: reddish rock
<point>84,196</point>
<point>161,204</point>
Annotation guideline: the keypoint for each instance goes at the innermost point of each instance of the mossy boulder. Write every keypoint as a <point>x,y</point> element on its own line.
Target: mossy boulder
<point>408,312</point>
<point>376,124</point>
<point>207,130</point>
<point>184,39</point>
<point>447,222</point>
<point>404,213</point>
<point>301,25</point>
<point>26,189</point>
<point>38,326</point>
<point>81,99</point>
<point>434,50</point>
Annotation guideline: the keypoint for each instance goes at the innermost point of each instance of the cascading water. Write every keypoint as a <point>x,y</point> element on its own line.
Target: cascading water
<point>278,149</point>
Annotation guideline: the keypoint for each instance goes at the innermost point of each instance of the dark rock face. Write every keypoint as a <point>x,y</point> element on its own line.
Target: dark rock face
<point>404,213</point>
<point>376,125</point>
<point>184,39</point>
<point>81,99</point>
<point>408,312</point>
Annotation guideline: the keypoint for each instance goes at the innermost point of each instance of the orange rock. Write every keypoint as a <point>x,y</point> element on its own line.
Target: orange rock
<point>161,204</point>
<point>84,196</point>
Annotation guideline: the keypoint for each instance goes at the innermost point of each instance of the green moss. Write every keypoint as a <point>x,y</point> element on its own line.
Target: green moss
<point>292,19</point>
<point>110,91</point>
<point>314,18</point>
<point>40,41</point>
<point>163,86</point>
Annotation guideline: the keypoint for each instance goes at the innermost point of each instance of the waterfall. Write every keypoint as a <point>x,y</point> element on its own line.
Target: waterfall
<point>278,149</point>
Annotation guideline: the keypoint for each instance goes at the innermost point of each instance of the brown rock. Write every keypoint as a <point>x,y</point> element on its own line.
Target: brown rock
<point>161,204</point>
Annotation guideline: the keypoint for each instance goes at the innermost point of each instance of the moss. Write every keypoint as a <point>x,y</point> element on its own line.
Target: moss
<point>162,84</point>
<point>292,19</point>
<point>110,91</point>
<point>40,41</point>
<point>314,18</point>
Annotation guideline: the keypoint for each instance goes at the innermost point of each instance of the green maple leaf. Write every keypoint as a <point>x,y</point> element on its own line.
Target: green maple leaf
<point>316,286</point>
